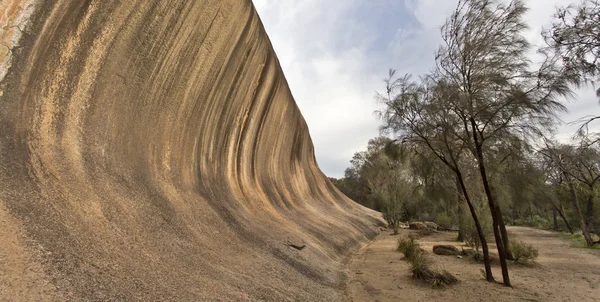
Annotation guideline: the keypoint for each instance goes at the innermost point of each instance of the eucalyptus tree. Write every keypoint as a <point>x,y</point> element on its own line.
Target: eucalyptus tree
<point>484,55</point>
<point>578,167</point>
<point>354,184</point>
<point>584,167</point>
<point>435,189</point>
<point>389,179</point>
<point>554,176</point>
<point>417,113</point>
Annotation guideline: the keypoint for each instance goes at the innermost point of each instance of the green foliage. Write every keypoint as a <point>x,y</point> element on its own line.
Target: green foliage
<point>420,264</point>
<point>444,221</point>
<point>393,213</point>
<point>471,235</point>
<point>523,252</point>
<point>579,241</point>
<point>574,38</point>
<point>535,222</point>
<point>410,247</point>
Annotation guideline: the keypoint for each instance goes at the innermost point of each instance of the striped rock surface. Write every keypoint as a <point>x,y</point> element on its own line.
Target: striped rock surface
<point>152,150</point>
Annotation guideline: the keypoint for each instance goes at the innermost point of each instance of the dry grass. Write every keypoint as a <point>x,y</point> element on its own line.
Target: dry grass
<point>420,264</point>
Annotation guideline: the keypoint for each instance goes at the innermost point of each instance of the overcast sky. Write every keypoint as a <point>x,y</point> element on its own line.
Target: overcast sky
<point>335,53</point>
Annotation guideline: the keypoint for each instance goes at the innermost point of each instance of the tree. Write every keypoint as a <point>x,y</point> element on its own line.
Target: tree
<point>354,184</point>
<point>380,180</point>
<point>577,167</point>
<point>575,37</point>
<point>417,113</point>
<point>389,180</point>
<point>499,96</point>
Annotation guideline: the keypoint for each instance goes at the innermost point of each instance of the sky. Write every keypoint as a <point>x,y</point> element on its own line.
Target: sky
<point>335,54</point>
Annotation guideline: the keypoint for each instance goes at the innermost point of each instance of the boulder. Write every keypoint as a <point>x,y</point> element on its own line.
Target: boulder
<point>417,226</point>
<point>446,250</point>
<point>431,225</point>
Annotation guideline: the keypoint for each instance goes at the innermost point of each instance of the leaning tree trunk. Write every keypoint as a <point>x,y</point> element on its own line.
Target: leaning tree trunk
<point>582,224</point>
<point>589,212</point>
<point>494,209</point>
<point>504,233</point>
<point>484,246</point>
<point>554,220</point>
<point>461,214</point>
<point>561,212</point>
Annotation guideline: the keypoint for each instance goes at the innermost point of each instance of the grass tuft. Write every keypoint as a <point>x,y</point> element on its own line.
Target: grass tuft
<point>420,265</point>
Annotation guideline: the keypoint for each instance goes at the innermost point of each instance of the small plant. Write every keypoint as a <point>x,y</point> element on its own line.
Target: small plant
<point>421,270</point>
<point>420,265</point>
<point>409,247</point>
<point>523,252</point>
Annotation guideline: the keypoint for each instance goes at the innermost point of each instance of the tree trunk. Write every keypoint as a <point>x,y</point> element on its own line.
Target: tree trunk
<point>589,210</point>
<point>504,233</point>
<point>562,215</point>
<point>486,255</point>
<point>554,220</point>
<point>586,234</point>
<point>461,215</point>
<point>494,209</point>
<point>561,212</point>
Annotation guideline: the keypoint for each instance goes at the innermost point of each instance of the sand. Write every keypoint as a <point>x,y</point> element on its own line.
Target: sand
<point>561,273</point>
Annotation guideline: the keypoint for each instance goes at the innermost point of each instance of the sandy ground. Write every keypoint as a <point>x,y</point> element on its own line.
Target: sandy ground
<point>562,273</point>
<point>21,276</point>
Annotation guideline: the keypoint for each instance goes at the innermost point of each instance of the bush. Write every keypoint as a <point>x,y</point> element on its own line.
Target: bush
<point>421,270</point>
<point>471,235</point>
<point>392,213</point>
<point>409,247</point>
<point>444,221</point>
<point>535,222</point>
<point>523,252</point>
<point>420,265</point>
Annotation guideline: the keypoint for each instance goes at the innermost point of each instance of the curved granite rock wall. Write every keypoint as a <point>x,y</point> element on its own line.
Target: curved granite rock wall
<point>152,151</point>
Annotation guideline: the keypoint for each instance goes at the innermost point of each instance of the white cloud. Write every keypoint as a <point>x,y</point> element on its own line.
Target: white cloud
<point>335,53</point>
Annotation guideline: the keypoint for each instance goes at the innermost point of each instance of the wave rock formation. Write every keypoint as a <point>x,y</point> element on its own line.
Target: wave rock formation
<point>151,150</point>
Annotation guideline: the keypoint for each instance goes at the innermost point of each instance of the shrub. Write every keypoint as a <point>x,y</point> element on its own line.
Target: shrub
<point>421,270</point>
<point>392,213</point>
<point>535,222</point>
<point>420,265</point>
<point>409,247</point>
<point>470,232</point>
<point>523,252</point>
<point>444,221</point>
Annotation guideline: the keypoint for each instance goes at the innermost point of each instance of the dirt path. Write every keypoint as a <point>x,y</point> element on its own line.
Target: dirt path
<point>562,273</point>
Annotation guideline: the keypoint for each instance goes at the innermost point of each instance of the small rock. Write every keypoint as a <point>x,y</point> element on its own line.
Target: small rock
<point>446,250</point>
<point>417,226</point>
